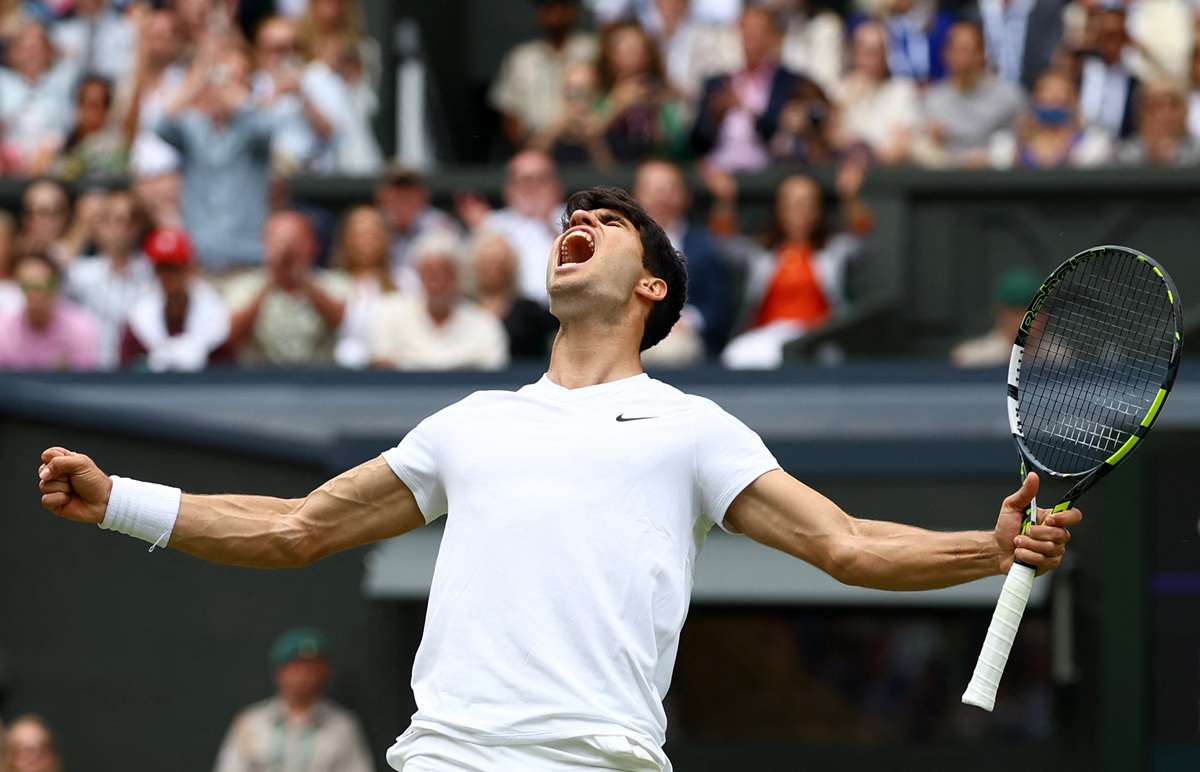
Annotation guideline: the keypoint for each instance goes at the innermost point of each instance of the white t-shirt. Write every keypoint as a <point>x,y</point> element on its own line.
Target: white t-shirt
<point>566,566</point>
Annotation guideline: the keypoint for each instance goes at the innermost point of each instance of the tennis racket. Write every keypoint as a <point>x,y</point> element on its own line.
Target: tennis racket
<point>1093,362</point>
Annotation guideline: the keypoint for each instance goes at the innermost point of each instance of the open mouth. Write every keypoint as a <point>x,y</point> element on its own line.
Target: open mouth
<point>577,246</point>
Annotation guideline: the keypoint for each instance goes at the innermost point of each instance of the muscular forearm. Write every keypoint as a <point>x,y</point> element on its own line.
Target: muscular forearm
<point>365,504</point>
<point>893,556</point>
<point>243,530</point>
<point>781,512</point>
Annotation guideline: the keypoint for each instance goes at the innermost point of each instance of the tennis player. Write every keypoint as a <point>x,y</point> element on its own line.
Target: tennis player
<point>576,508</point>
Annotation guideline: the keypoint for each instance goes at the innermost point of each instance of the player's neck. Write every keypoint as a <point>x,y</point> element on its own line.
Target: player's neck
<point>590,355</point>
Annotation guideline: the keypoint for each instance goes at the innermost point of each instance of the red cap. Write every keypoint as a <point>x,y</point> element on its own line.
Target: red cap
<point>168,246</point>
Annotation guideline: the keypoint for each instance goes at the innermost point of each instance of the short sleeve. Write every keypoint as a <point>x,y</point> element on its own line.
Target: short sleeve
<point>417,462</point>
<point>728,457</point>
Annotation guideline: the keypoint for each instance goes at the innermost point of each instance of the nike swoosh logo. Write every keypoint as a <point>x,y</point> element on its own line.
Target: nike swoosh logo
<point>623,419</point>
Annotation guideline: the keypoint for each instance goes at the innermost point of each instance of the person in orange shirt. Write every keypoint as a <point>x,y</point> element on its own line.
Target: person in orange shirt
<point>796,282</point>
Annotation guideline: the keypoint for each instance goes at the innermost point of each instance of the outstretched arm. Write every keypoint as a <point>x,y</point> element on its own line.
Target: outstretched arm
<point>782,512</point>
<point>365,504</point>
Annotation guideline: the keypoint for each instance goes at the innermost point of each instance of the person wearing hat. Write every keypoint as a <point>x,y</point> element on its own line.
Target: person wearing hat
<point>298,729</point>
<point>1011,295</point>
<point>181,323</point>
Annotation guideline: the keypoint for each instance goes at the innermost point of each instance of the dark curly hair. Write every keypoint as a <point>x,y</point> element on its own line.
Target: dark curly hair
<point>658,256</point>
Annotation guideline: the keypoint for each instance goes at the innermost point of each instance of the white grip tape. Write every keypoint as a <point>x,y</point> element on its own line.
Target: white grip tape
<point>144,510</point>
<point>1001,632</point>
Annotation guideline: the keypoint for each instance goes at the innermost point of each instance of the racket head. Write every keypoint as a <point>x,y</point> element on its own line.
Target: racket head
<point>1092,364</point>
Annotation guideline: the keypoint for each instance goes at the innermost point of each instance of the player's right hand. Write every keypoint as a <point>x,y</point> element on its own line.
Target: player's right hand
<point>72,486</point>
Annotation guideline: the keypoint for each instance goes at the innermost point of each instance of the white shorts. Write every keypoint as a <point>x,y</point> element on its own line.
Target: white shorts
<point>423,750</point>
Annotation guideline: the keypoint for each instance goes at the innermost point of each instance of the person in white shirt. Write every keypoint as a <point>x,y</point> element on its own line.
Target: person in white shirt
<point>35,103</point>
<point>439,328</point>
<point>310,102</point>
<point>109,283</point>
<point>96,39</point>
<point>575,510</point>
<point>526,90</point>
<point>533,198</point>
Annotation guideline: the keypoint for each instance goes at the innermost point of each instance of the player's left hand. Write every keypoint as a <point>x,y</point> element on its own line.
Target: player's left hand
<point>1043,545</point>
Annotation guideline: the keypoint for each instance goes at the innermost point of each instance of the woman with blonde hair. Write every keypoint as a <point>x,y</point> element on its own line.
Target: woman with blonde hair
<point>361,251</point>
<point>330,22</point>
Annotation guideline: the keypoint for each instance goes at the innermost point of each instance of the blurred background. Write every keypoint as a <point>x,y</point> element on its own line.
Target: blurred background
<point>246,244</point>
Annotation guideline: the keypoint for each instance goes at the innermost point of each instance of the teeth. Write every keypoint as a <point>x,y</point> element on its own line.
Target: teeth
<point>564,256</point>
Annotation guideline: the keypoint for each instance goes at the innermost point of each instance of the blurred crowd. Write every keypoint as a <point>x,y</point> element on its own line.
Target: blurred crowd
<point>157,230</point>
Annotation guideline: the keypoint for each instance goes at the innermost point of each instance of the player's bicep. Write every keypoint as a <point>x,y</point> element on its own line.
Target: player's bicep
<point>365,504</point>
<point>781,512</point>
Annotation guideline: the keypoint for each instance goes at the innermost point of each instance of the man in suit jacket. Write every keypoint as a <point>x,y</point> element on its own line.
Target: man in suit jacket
<point>660,186</point>
<point>739,111</point>
<point>1107,88</point>
<point>1021,36</point>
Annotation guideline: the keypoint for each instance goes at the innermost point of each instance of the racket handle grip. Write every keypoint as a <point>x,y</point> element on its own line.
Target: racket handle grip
<point>1001,632</point>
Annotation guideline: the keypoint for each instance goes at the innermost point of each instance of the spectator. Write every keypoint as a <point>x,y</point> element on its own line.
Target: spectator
<point>1011,295</point>
<point>158,193</point>
<point>45,217</point>
<point>1021,37</point>
<point>526,90</point>
<point>298,728</point>
<point>404,198</point>
<point>326,22</point>
<point>10,293</point>
<point>1107,88</point>
<point>440,329</point>
<point>874,108</point>
<point>95,146</point>
<point>1162,137</point>
<point>35,104</point>
<point>287,313</point>
<point>642,115</point>
<point>577,134</point>
<point>691,49</point>
<point>361,253</point>
<point>739,111</point>
<point>660,187</point>
<point>1048,134</point>
<point>533,197</point>
<point>158,74</point>
<point>224,143</point>
<point>14,14</point>
<point>309,103</point>
<point>814,41</point>
<point>48,332</point>
<point>108,283</point>
<point>803,129</point>
<point>181,324</point>
<point>79,237</point>
<point>963,111</point>
<point>96,39</point>
<point>916,38</point>
<point>797,283</point>
<point>31,747</point>
<point>1193,118</point>
<point>357,152</point>
<point>529,325</point>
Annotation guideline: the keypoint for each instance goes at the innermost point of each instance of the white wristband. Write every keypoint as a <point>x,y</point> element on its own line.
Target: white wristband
<point>142,509</point>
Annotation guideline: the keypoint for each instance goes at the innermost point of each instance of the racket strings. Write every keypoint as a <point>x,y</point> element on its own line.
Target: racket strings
<point>1097,352</point>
